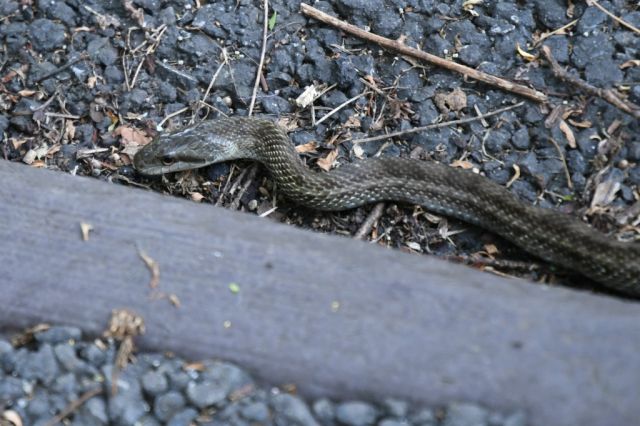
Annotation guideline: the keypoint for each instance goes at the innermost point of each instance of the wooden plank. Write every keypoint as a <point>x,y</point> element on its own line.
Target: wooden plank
<point>407,326</point>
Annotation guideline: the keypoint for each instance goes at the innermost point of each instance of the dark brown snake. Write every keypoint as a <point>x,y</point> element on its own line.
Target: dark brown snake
<point>557,238</point>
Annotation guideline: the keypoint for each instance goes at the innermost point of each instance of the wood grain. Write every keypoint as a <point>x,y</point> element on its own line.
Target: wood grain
<point>406,326</point>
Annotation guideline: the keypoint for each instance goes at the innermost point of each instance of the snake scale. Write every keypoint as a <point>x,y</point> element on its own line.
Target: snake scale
<point>557,238</point>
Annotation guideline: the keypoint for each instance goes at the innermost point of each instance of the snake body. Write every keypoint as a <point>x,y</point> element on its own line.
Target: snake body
<point>555,237</point>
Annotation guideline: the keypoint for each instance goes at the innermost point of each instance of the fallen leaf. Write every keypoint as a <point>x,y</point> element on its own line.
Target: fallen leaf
<point>516,175</point>
<point>491,249</point>
<point>130,135</point>
<point>197,197</point>
<point>452,101</point>
<point>153,267</point>
<point>568,133</point>
<point>326,162</point>
<point>307,97</point>
<point>525,55</point>
<point>605,193</point>
<point>307,147</point>
<point>85,228</point>
<point>12,417</point>
<point>462,164</point>
<point>585,124</point>
<point>26,93</point>
<point>630,63</point>
<point>69,130</point>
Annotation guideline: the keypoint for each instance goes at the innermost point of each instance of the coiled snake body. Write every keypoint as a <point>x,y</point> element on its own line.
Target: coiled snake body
<point>552,236</point>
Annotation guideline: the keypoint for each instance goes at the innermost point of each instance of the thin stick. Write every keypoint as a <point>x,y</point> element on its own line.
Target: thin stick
<point>433,59</point>
<point>265,29</point>
<point>612,16</point>
<point>339,107</point>
<point>74,405</point>
<point>609,95</point>
<point>83,56</point>
<point>250,176</point>
<point>367,225</point>
<point>173,114</point>
<point>564,163</point>
<point>214,77</point>
<point>438,125</point>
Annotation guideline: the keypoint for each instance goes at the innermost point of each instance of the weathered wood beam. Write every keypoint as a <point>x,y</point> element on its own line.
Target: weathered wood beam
<point>336,317</point>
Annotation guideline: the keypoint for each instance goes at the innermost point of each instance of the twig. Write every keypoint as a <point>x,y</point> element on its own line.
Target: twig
<point>371,219</point>
<point>74,405</point>
<point>265,29</point>
<point>251,174</point>
<point>564,163</point>
<point>438,125</point>
<point>496,263</point>
<point>58,70</point>
<point>226,185</point>
<point>609,95</point>
<point>206,93</point>
<point>554,32</point>
<point>433,59</point>
<point>173,114</point>
<point>612,16</point>
<point>339,107</point>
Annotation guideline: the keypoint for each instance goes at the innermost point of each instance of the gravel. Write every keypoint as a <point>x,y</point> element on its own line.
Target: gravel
<point>159,389</point>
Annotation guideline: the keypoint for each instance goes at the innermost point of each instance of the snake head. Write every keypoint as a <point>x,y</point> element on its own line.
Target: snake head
<point>189,148</point>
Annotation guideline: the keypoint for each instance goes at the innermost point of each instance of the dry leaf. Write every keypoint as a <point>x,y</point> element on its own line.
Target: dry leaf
<point>585,124</point>
<point>568,133</point>
<point>462,164</point>
<point>326,162</point>
<point>491,249</point>
<point>515,177</point>
<point>153,267</point>
<point>307,147</point>
<point>307,97</point>
<point>130,135</point>
<point>452,101</point>
<point>197,197</point>
<point>605,193</point>
<point>352,122</point>
<point>85,228</point>
<point>414,246</point>
<point>26,93</point>
<point>358,151</point>
<point>12,417</point>
<point>69,130</point>
<point>525,55</point>
<point>175,301</point>
<point>630,63</point>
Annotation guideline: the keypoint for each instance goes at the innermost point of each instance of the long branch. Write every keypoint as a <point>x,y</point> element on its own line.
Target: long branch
<point>417,53</point>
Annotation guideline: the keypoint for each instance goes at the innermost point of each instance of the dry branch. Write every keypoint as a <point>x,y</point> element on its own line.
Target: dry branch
<point>417,53</point>
<point>610,95</point>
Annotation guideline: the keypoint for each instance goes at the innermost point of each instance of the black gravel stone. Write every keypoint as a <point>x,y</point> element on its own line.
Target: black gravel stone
<point>465,415</point>
<point>275,105</point>
<point>11,388</point>
<point>168,404</point>
<point>356,413</point>
<point>46,34</point>
<point>288,409</point>
<point>40,365</point>
<point>256,412</point>
<point>154,383</point>
<point>207,393</point>
<point>325,411</point>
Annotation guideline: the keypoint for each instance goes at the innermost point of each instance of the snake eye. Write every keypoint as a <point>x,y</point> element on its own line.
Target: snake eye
<point>167,160</point>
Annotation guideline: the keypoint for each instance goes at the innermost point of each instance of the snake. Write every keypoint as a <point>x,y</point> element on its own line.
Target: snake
<point>557,238</point>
